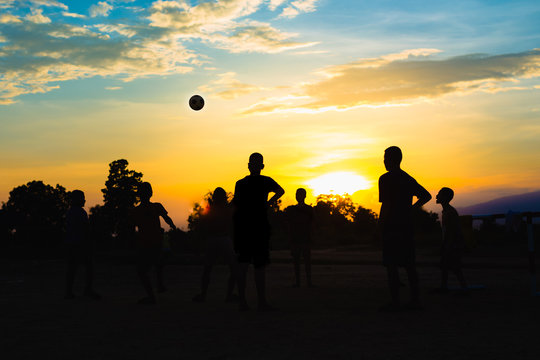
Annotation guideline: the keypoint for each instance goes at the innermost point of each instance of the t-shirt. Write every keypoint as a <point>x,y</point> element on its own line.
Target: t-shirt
<point>300,219</point>
<point>250,201</point>
<point>146,219</point>
<point>396,191</point>
<point>451,229</point>
<point>77,226</point>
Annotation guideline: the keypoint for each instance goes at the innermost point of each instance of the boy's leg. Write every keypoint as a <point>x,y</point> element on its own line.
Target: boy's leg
<point>205,280</point>
<point>242,274</point>
<point>260,284</point>
<point>444,278</point>
<point>89,287</point>
<point>412,274</point>
<point>143,267</point>
<point>393,283</point>
<point>461,278</point>
<point>72,265</point>
<point>296,264</point>
<point>231,283</point>
<point>307,259</point>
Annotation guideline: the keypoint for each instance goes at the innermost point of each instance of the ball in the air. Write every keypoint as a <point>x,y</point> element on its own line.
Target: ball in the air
<point>196,102</point>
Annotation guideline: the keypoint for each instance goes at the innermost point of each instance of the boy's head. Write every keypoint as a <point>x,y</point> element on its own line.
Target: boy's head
<point>219,196</point>
<point>392,158</point>
<point>255,164</point>
<point>145,191</point>
<point>77,198</point>
<point>444,196</point>
<point>300,195</point>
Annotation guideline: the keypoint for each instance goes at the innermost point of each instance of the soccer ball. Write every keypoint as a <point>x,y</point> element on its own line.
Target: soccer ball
<point>196,102</point>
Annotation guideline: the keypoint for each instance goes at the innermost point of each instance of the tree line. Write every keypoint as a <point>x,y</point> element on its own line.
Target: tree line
<point>32,220</point>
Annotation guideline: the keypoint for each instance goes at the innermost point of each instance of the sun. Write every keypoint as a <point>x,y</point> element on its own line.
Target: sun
<point>340,183</point>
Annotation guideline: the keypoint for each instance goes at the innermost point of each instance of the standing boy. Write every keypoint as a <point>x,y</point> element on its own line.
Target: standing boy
<point>149,240</point>
<point>79,246</point>
<point>252,229</point>
<point>453,241</point>
<point>300,221</point>
<point>396,191</point>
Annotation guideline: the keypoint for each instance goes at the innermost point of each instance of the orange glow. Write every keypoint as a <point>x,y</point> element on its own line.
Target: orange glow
<point>341,182</point>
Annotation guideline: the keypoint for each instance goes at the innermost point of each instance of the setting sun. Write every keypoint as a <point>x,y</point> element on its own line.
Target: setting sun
<point>341,182</point>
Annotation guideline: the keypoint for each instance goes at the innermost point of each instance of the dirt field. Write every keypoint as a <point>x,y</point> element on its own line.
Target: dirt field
<point>336,320</point>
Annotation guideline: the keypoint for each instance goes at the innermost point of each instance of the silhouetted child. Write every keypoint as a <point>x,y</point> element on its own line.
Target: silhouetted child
<point>217,226</point>
<point>300,221</point>
<point>453,241</point>
<point>396,192</point>
<point>149,240</point>
<point>252,229</point>
<point>79,246</point>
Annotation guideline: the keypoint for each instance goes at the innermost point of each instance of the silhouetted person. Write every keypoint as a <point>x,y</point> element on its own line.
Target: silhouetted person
<point>79,246</point>
<point>396,192</point>
<point>453,241</point>
<point>149,240</point>
<point>217,225</point>
<point>252,229</point>
<point>300,221</point>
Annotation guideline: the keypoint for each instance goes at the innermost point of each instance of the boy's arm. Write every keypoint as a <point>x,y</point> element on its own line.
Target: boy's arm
<point>423,197</point>
<point>169,221</point>
<point>166,217</point>
<point>278,192</point>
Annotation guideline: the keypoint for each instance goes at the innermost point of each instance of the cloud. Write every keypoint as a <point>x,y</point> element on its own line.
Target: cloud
<point>217,23</point>
<point>37,17</point>
<point>9,18</point>
<point>40,55</point>
<point>6,4</point>
<point>113,88</point>
<point>274,4</point>
<point>257,38</point>
<point>73,15</point>
<point>49,3</point>
<point>406,77</point>
<point>298,7</point>
<point>102,8</point>
<point>40,49</point>
<point>228,87</point>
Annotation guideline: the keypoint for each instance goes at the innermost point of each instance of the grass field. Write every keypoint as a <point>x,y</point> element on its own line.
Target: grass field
<point>336,320</point>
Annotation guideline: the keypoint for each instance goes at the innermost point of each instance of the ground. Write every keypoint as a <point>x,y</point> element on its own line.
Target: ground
<point>336,320</point>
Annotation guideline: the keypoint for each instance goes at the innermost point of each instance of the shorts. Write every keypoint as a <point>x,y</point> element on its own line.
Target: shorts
<point>255,251</point>
<point>398,247</point>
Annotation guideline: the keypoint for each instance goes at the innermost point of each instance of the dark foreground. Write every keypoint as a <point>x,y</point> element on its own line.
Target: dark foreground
<point>336,320</point>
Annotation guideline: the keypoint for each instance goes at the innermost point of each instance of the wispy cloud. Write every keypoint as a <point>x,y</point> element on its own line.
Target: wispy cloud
<point>113,88</point>
<point>298,7</point>
<point>228,87</point>
<point>409,76</point>
<point>36,16</point>
<point>102,8</point>
<point>73,15</point>
<point>9,18</point>
<point>49,3</point>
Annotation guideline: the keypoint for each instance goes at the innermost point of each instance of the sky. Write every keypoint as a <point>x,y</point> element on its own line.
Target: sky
<point>319,87</point>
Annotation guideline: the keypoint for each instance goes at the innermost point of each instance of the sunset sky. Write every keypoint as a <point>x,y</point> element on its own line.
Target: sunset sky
<point>319,87</point>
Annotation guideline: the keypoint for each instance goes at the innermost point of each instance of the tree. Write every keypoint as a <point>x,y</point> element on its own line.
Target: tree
<point>35,213</point>
<point>338,204</point>
<point>111,220</point>
<point>365,221</point>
